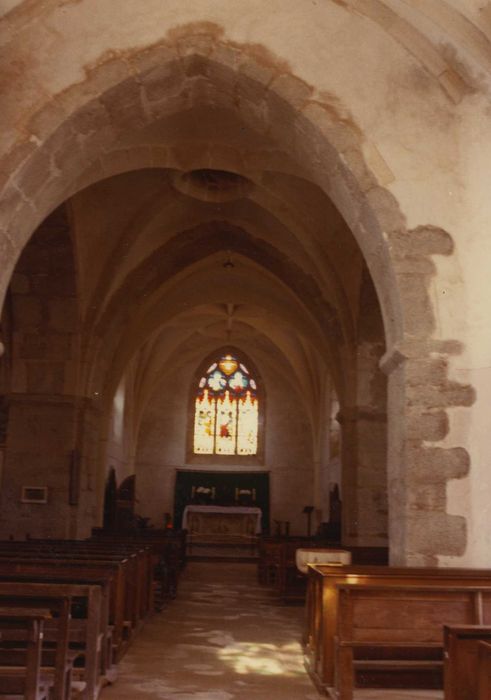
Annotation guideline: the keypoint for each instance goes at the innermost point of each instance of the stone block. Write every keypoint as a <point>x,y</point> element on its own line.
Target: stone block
<point>426,425</point>
<point>436,464</point>
<point>196,45</point>
<point>124,105</point>
<point>28,312</point>
<point>434,396</point>
<point>434,534</point>
<point>427,497</point>
<point>45,377</point>
<point>294,91</point>
<point>386,209</point>
<point>163,80</point>
<point>32,177</point>
<point>355,162</point>
<point>144,61</point>
<point>45,346</point>
<point>19,284</point>
<point>428,370</point>
<point>63,314</point>
<point>339,133</point>
<point>421,241</point>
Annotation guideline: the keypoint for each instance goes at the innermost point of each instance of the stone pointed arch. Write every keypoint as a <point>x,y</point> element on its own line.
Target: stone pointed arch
<point>62,147</point>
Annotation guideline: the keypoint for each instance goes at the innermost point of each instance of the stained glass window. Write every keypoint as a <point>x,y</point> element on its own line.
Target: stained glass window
<point>226,413</point>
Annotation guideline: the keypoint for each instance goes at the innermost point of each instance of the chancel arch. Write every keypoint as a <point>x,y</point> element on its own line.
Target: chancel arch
<point>335,175</point>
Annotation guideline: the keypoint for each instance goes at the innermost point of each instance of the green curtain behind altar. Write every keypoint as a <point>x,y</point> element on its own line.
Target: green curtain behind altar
<point>225,487</point>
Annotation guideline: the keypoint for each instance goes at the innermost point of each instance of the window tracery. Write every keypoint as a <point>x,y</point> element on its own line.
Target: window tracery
<point>226,410</point>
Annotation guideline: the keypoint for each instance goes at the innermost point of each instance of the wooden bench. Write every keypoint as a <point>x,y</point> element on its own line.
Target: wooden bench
<point>77,629</point>
<point>140,554</point>
<point>277,567</point>
<point>461,660</point>
<point>277,563</point>
<point>405,621</point>
<point>168,558</point>
<point>111,588</point>
<point>81,630</point>
<point>25,678</point>
<point>56,658</point>
<point>122,593</point>
<point>322,603</point>
<point>484,671</point>
<point>136,558</point>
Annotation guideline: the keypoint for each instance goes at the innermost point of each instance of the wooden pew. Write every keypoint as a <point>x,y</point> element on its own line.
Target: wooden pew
<point>122,573</point>
<point>57,601</point>
<point>107,665</point>
<point>168,549</point>
<point>60,631</point>
<point>407,621</point>
<point>25,624</point>
<point>277,565</point>
<point>136,558</point>
<point>322,603</point>
<point>140,551</point>
<point>131,566</point>
<point>484,671</point>
<point>461,660</point>
<point>122,594</point>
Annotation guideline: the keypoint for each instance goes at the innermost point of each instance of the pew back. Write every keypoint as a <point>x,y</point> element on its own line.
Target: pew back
<point>399,618</point>
<point>322,602</point>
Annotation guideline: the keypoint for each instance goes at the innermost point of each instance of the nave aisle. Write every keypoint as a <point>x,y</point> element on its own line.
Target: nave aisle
<point>224,638</point>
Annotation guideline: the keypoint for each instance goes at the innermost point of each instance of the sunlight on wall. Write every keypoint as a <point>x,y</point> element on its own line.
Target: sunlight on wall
<point>264,659</point>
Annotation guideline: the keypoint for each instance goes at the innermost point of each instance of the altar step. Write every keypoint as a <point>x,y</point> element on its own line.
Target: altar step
<point>222,551</point>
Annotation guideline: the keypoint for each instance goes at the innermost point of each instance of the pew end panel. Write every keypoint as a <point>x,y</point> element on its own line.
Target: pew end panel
<point>484,671</point>
<point>461,668</point>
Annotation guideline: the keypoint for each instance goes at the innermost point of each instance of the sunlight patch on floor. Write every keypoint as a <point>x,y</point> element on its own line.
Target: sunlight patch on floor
<point>263,659</point>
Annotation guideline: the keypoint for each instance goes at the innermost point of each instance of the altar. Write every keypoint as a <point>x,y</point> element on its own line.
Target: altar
<point>222,520</point>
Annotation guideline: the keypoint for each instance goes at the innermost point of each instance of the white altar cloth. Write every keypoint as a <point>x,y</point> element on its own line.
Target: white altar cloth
<point>223,510</point>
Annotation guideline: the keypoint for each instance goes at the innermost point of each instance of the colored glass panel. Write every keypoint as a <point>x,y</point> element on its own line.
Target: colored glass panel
<point>238,382</point>
<point>247,425</point>
<point>204,424</point>
<point>217,381</point>
<point>226,425</point>
<point>228,364</point>
<point>226,410</point>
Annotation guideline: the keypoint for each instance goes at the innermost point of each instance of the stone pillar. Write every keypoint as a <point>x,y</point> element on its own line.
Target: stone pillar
<point>320,498</point>
<point>88,513</point>
<point>38,452</point>
<point>420,465</point>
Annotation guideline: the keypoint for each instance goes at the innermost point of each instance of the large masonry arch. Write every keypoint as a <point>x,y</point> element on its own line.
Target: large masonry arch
<point>336,171</point>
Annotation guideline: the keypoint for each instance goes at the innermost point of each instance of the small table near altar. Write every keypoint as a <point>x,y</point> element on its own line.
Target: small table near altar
<point>222,522</point>
<point>320,555</point>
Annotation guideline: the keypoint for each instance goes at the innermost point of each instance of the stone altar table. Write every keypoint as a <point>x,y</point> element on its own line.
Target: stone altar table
<point>222,520</point>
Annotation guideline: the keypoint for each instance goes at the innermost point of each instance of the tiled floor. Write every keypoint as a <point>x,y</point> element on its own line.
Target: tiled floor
<point>224,638</point>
